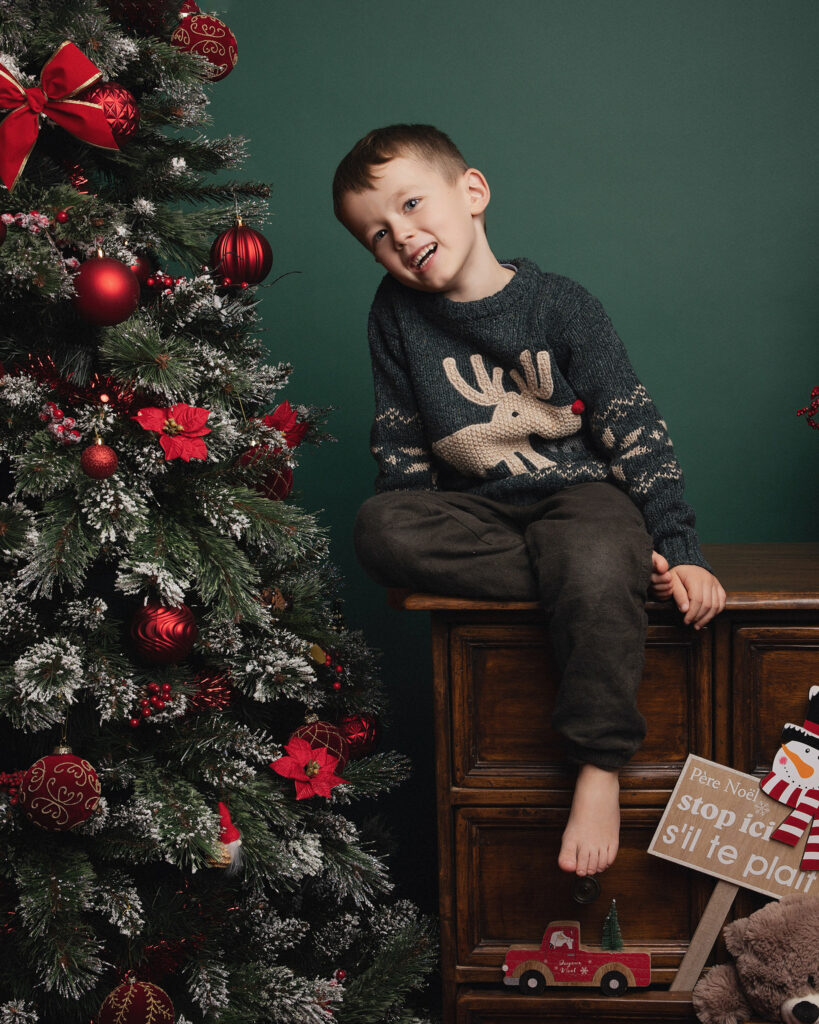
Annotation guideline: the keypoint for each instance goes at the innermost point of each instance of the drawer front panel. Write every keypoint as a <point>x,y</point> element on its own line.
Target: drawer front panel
<point>775,667</point>
<point>503,684</point>
<point>508,886</point>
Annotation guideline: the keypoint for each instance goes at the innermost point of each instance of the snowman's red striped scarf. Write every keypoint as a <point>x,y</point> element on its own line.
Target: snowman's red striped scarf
<point>805,803</point>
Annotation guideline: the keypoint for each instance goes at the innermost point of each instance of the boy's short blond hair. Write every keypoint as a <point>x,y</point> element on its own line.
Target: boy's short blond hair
<point>355,172</point>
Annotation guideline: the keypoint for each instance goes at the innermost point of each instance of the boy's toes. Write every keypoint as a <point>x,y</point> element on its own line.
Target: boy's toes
<point>567,858</point>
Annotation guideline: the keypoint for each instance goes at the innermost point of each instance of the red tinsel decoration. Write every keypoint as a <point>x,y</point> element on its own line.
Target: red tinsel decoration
<point>118,397</point>
<point>811,410</point>
<point>214,692</point>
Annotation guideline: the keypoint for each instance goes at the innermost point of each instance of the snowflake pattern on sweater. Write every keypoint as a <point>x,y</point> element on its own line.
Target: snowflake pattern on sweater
<point>516,396</point>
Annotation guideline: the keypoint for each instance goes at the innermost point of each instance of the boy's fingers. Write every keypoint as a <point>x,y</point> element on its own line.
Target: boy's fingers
<point>679,593</point>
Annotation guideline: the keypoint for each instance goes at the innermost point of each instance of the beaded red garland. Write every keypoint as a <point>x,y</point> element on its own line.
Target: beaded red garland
<point>137,1002</point>
<point>208,37</point>
<point>119,107</point>
<point>60,791</point>
<point>327,735</point>
<point>163,635</point>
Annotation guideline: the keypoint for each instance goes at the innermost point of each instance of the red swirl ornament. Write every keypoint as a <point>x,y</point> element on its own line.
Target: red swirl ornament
<point>106,291</point>
<point>241,255</point>
<point>137,1002</point>
<point>60,791</point>
<point>163,635</point>
<point>118,105</point>
<point>208,37</point>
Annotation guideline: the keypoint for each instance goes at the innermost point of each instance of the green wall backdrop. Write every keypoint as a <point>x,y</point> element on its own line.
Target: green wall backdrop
<point>662,152</point>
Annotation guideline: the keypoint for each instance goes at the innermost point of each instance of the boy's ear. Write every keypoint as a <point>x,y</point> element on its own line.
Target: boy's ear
<point>478,191</point>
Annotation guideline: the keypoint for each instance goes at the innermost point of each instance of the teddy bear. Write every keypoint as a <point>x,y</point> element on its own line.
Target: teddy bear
<point>775,974</point>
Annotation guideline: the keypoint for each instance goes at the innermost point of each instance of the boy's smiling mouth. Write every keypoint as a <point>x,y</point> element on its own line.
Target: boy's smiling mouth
<point>423,255</point>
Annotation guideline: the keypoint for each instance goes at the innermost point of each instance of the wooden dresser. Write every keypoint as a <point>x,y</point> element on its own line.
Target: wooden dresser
<point>503,790</point>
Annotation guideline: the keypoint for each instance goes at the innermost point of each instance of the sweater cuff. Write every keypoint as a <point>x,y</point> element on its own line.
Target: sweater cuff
<point>681,550</point>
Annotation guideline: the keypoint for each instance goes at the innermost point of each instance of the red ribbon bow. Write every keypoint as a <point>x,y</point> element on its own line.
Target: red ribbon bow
<point>65,75</point>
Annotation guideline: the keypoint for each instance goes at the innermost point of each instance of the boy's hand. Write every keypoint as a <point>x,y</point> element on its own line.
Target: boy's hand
<point>695,591</point>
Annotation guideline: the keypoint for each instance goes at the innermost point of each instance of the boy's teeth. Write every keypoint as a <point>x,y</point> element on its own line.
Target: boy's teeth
<point>425,254</point>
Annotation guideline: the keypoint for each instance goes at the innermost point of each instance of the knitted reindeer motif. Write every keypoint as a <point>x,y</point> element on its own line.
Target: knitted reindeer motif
<point>505,438</point>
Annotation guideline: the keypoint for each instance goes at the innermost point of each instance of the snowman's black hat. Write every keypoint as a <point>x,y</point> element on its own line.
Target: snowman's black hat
<point>808,732</point>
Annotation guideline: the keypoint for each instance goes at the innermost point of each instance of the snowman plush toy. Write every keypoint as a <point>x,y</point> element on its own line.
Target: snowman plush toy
<point>794,781</point>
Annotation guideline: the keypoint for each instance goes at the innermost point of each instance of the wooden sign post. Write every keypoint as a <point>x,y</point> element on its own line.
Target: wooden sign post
<point>719,821</point>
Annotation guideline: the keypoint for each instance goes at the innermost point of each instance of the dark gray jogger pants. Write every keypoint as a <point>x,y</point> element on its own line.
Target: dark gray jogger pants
<point>584,553</point>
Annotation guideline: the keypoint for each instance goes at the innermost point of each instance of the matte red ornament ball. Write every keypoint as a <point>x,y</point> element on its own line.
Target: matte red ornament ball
<point>119,107</point>
<point>60,791</point>
<point>106,291</point>
<point>137,1002</point>
<point>163,635</point>
<point>99,461</point>
<point>208,37</point>
<point>327,735</point>
<point>241,254</point>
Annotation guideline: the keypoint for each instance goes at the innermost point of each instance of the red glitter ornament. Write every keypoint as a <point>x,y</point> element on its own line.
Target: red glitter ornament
<point>241,254</point>
<point>361,732</point>
<point>327,735</point>
<point>105,291</point>
<point>60,791</point>
<point>208,37</point>
<point>119,107</point>
<point>163,635</point>
<point>99,461</point>
<point>137,1002</point>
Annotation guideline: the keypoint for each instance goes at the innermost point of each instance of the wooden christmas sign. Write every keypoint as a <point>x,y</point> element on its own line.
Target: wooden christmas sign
<point>721,822</point>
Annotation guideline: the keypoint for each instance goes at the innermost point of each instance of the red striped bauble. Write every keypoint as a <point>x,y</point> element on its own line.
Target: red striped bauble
<point>241,255</point>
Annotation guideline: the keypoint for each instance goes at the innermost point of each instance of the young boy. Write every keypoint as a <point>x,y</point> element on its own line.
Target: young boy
<point>519,456</point>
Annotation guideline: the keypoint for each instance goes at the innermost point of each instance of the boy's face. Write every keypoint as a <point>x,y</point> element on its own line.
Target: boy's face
<point>422,228</point>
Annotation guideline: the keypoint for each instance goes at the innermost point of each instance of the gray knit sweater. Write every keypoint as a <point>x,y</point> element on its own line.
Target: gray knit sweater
<point>516,396</point>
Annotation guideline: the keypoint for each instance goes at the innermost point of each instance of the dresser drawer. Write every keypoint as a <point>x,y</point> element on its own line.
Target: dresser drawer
<point>508,888</point>
<point>503,683</point>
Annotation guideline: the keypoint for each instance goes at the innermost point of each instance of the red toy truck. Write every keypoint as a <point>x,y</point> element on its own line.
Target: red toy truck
<point>562,960</point>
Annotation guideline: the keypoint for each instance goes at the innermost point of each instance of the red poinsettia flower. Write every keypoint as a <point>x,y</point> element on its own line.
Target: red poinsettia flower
<point>311,768</point>
<point>181,428</point>
<point>279,482</point>
<point>285,420</point>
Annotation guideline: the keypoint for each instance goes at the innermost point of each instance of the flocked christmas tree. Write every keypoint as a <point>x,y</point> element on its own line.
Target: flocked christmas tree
<point>166,610</point>
<point>612,937</point>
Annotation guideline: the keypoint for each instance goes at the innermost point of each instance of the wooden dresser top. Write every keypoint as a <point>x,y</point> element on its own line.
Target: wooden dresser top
<point>779,576</point>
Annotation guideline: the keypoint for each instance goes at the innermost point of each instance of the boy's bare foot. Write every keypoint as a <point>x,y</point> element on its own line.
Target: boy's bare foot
<point>592,834</point>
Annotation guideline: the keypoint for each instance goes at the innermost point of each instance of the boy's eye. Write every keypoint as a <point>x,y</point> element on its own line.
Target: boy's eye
<point>410,204</point>
<point>379,235</point>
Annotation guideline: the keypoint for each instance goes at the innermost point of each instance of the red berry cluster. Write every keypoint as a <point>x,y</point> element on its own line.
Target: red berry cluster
<point>12,782</point>
<point>155,700</point>
<point>811,410</point>
<point>33,221</point>
<point>63,427</point>
<point>162,282</point>
<point>339,670</point>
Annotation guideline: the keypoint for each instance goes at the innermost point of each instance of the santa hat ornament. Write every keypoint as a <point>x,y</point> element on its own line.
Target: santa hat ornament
<point>230,843</point>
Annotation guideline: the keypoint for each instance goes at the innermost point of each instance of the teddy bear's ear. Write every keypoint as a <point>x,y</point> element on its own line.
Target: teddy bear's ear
<point>735,935</point>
